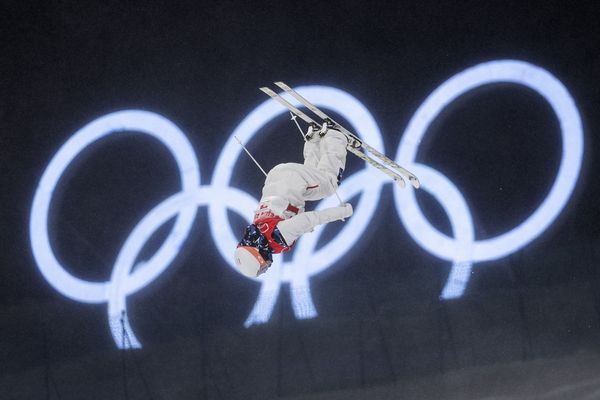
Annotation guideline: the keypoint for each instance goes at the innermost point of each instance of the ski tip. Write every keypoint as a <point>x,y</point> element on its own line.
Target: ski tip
<point>415,182</point>
<point>268,91</point>
<point>400,182</point>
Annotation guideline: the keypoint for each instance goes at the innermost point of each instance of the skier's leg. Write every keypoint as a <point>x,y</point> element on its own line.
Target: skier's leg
<point>312,153</point>
<point>286,181</point>
<point>333,154</point>
<point>283,179</point>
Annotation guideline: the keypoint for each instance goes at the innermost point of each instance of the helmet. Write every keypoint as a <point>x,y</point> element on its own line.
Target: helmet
<point>253,254</point>
<point>250,262</point>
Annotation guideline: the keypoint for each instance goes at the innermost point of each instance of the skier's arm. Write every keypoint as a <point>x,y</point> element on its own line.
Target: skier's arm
<point>292,228</point>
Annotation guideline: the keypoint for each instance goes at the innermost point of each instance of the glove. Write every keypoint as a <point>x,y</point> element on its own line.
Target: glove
<point>327,215</point>
<point>348,211</point>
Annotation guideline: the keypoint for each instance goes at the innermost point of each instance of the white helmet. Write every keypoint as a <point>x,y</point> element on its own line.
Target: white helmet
<point>250,262</point>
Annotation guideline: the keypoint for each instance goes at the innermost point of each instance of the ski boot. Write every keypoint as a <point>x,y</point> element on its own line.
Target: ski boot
<point>312,129</point>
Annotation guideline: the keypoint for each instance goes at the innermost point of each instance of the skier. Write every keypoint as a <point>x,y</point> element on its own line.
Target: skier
<point>280,218</point>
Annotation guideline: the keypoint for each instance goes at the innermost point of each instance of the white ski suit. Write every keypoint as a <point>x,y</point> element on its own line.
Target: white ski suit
<point>288,186</point>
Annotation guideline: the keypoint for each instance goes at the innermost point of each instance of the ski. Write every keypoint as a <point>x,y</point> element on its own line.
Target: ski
<point>384,159</point>
<point>396,177</point>
<point>289,106</point>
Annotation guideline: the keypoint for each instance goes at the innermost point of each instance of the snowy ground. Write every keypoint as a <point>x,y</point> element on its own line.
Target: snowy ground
<point>575,377</point>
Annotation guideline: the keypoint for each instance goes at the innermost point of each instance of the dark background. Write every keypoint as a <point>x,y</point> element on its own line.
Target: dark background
<point>380,324</point>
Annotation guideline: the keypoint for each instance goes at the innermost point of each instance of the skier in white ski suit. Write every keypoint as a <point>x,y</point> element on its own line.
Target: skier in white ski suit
<point>280,218</point>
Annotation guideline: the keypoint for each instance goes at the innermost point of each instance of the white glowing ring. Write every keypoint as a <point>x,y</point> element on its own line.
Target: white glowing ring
<point>563,105</point>
<point>461,222</point>
<point>159,215</point>
<point>118,122</point>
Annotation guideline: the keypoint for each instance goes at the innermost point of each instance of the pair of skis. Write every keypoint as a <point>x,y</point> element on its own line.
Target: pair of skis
<point>383,163</point>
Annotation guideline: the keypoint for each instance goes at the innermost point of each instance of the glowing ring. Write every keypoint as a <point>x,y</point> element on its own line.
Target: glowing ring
<point>159,215</point>
<point>563,105</point>
<point>96,292</point>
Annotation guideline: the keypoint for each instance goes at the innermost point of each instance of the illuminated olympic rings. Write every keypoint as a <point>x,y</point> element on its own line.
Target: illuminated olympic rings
<point>462,250</point>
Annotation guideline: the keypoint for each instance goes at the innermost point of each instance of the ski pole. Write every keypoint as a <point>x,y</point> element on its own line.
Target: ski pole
<point>247,152</point>
<point>298,125</point>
